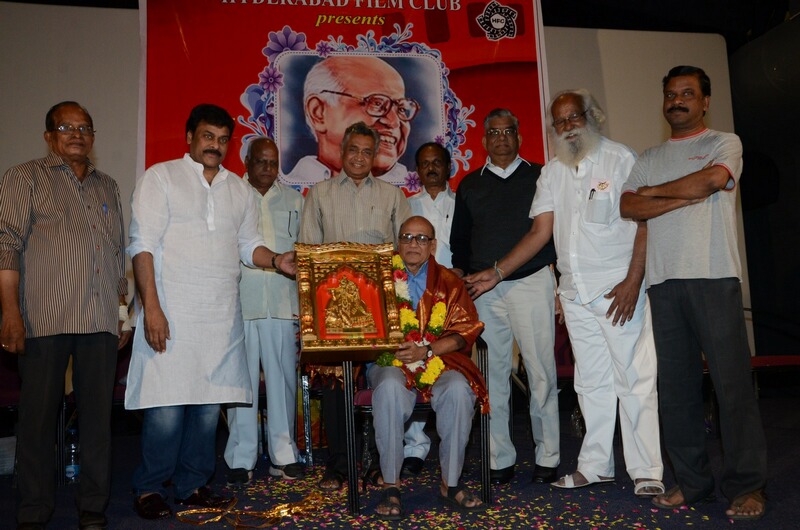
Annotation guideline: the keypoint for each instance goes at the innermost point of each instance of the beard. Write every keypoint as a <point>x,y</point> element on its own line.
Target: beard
<point>573,146</point>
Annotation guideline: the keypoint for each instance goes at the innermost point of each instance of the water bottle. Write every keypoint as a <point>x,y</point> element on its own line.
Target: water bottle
<point>72,462</point>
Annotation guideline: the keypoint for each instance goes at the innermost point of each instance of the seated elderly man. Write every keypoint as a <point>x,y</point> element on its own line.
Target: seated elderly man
<point>446,317</point>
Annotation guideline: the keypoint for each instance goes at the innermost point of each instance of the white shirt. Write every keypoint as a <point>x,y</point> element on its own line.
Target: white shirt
<point>593,243</point>
<point>266,293</point>
<point>307,172</point>
<point>197,234</point>
<point>501,172</point>
<point>439,212</point>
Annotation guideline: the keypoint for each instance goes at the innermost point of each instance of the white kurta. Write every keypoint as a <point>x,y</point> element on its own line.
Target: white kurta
<point>197,234</point>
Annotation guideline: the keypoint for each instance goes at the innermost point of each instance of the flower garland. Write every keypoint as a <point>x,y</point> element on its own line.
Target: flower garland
<point>424,372</point>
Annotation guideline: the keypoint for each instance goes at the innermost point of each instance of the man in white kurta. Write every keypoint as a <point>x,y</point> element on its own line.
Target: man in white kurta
<point>269,309</point>
<point>192,223</point>
<point>601,261</point>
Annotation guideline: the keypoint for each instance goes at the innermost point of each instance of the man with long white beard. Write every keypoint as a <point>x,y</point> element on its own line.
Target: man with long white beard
<point>601,258</point>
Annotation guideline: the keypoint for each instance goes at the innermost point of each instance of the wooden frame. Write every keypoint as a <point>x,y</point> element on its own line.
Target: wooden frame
<point>348,309</point>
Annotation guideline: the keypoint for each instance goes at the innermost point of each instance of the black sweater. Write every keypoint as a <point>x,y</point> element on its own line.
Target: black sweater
<point>491,216</point>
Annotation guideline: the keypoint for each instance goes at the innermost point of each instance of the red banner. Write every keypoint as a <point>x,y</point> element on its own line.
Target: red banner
<point>300,71</point>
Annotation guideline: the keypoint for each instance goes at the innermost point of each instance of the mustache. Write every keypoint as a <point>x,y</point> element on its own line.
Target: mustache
<point>212,152</point>
<point>677,108</point>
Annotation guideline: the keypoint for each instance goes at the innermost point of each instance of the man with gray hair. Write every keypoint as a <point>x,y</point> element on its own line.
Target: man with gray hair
<point>342,90</point>
<point>490,216</point>
<point>601,260</point>
<point>355,207</point>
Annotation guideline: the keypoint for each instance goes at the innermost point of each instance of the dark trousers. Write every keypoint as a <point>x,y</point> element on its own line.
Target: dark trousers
<point>42,369</point>
<point>697,316</point>
<point>333,417</point>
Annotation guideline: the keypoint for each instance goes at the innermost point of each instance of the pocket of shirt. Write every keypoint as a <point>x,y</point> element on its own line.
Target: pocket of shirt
<point>598,210</point>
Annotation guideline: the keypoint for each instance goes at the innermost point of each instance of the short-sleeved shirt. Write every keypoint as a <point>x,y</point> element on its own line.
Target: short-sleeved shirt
<point>699,240</point>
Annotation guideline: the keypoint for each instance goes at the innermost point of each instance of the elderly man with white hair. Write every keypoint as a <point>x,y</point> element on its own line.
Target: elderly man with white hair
<point>342,90</point>
<point>601,257</point>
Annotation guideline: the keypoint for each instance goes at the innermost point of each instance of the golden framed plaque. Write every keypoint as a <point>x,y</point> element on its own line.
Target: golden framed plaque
<point>348,309</point>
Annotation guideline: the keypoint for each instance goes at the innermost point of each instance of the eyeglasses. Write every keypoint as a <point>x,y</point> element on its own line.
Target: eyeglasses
<point>379,105</point>
<point>421,239</point>
<point>494,133</point>
<point>83,130</point>
<point>572,118</point>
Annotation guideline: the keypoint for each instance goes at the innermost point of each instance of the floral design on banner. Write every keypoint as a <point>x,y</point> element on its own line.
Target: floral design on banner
<point>259,98</point>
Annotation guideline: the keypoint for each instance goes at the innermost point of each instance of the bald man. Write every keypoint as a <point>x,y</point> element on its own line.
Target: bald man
<point>342,90</point>
<point>269,306</point>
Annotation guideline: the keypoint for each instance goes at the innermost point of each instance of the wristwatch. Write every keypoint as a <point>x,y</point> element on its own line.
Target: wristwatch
<point>429,353</point>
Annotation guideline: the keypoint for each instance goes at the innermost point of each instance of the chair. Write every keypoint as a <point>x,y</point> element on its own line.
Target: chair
<point>348,313</point>
<point>363,406</point>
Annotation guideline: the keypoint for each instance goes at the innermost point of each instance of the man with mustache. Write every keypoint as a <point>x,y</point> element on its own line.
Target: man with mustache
<point>435,202</point>
<point>342,90</point>
<point>601,261</point>
<point>192,223</point>
<point>490,217</point>
<point>62,293</point>
<point>685,190</point>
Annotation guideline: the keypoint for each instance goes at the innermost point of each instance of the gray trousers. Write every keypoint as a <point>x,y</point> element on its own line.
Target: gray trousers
<point>392,404</point>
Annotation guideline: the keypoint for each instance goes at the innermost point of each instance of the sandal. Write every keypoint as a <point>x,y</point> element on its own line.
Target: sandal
<point>373,477</point>
<point>568,481</point>
<point>462,505</point>
<point>331,481</point>
<point>390,501</point>
<point>738,504</point>
<point>660,501</point>
<point>648,487</point>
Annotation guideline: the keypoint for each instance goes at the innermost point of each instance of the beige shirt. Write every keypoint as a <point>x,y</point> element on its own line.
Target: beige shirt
<point>265,293</point>
<point>339,210</point>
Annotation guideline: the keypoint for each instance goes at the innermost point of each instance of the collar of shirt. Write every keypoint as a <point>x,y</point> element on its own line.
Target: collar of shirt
<point>504,173</point>
<point>417,283</point>
<point>343,179</point>
<point>54,160</point>
<point>198,168</point>
<point>446,192</point>
<point>273,190</point>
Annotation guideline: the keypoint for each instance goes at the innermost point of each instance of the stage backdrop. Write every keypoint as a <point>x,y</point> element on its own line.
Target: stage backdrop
<point>300,71</point>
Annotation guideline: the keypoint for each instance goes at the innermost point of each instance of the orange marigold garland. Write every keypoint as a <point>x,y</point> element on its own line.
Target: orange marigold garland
<point>424,373</point>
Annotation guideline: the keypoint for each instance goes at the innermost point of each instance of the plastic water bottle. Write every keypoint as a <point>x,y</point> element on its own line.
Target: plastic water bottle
<point>72,462</point>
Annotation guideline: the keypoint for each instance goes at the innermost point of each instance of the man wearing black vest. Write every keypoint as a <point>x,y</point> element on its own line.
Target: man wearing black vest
<point>491,215</point>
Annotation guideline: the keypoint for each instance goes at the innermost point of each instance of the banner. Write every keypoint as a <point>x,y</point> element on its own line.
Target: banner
<point>301,71</point>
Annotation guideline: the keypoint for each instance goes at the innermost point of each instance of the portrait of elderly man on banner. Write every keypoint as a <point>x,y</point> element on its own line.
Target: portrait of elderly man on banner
<point>400,97</point>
